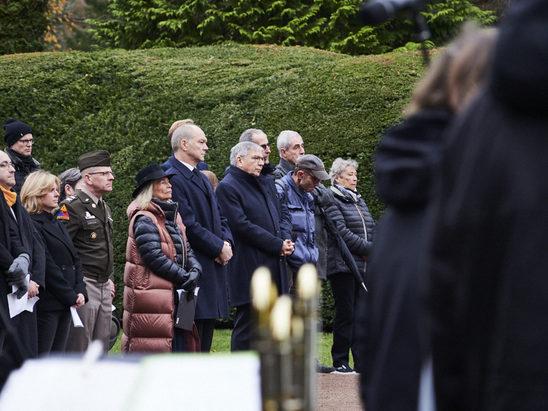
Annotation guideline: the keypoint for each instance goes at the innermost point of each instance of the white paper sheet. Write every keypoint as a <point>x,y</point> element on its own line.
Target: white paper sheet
<point>18,305</point>
<point>76,321</point>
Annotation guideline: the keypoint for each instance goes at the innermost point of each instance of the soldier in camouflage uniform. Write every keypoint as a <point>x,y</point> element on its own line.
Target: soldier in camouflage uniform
<point>89,221</point>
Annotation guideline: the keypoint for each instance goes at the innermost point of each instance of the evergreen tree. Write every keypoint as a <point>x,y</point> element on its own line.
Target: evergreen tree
<point>23,25</point>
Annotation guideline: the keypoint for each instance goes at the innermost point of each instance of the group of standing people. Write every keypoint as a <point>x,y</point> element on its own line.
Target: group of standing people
<point>61,253</point>
<point>251,219</point>
<point>190,245</point>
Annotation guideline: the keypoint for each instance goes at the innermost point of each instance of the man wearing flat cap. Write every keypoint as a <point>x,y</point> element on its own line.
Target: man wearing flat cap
<point>89,221</point>
<point>19,141</point>
<point>294,190</point>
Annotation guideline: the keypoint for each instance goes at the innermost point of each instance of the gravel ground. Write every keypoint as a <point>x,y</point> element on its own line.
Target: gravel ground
<point>338,392</point>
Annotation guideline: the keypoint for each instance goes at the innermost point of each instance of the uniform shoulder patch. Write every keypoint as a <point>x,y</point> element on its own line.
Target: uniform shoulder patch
<point>63,214</point>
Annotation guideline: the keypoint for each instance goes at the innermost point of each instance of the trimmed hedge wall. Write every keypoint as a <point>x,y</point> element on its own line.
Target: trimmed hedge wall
<point>125,101</point>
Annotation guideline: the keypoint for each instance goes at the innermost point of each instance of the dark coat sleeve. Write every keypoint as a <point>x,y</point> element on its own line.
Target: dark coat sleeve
<point>356,243</point>
<point>148,242</point>
<point>201,238</point>
<point>191,260</point>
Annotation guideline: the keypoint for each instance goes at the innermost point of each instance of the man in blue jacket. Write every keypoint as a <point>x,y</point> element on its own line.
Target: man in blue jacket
<point>206,228</point>
<point>254,219</point>
<point>294,191</point>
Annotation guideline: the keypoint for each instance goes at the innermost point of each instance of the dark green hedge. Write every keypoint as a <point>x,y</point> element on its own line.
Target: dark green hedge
<point>124,101</point>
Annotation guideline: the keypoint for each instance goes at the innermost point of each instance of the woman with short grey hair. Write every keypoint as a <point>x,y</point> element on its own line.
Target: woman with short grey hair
<point>356,227</point>
<point>71,180</point>
<point>339,166</point>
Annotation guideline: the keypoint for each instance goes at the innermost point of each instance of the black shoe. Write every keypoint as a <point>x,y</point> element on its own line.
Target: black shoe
<point>344,369</point>
<point>324,369</point>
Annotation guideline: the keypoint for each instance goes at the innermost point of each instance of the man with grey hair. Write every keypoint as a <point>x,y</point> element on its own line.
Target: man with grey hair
<point>290,147</point>
<point>168,163</point>
<point>260,138</point>
<point>253,216</point>
<point>206,228</point>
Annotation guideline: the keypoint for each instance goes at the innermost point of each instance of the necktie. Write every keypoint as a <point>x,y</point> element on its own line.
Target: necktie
<point>199,177</point>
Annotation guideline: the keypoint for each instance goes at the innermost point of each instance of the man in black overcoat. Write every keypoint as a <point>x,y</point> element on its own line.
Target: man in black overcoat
<point>254,218</point>
<point>206,227</point>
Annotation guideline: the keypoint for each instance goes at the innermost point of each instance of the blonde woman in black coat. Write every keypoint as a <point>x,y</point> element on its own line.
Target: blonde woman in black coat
<point>64,283</point>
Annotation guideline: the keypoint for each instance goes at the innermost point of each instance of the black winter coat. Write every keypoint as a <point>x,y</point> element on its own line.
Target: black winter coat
<point>23,167</point>
<point>404,175</point>
<point>489,288</point>
<point>254,219</point>
<point>147,239</point>
<point>64,279</point>
<point>353,220</point>
<point>10,247</point>
<point>206,230</point>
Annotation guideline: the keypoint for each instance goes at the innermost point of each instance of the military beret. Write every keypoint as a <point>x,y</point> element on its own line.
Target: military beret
<point>97,158</point>
<point>14,130</point>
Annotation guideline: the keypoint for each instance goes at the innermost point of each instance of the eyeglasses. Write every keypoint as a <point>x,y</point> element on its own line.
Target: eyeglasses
<point>28,141</point>
<point>6,164</point>
<point>264,146</point>
<point>103,173</point>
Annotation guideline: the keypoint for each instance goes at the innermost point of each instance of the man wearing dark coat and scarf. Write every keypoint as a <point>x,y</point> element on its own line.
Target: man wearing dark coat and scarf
<point>19,140</point>
<point>23,246</point>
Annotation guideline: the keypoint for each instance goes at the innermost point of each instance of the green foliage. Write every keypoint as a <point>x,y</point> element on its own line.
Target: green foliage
<point>23,25</point>
<point>445,17</point>
<point>325,24</point>
<point>125,101</point>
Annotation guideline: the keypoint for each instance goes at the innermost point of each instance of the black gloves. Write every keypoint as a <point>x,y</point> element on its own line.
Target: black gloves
<point>190,280</point>
<point>17,272</point>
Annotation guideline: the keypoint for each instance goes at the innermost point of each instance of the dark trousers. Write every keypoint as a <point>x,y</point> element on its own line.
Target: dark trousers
<point>53,330</point>
<point>27,331</point>
<point>346,293</point>
<point>205,330</point>
<point>243,329</point>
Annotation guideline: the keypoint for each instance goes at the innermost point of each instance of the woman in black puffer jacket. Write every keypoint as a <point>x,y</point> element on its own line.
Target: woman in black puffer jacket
<point>159,261</point>
<point>357,228</point>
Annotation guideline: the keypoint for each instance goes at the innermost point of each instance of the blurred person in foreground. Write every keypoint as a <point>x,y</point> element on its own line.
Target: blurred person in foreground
<point>489,284</point>
<point>407,163</point>
<point>64,285</point>
<point>159,261</point>
<point>357,229</point>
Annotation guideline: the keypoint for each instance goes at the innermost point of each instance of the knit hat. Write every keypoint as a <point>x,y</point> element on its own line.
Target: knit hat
<point>97,158</point>
<point>14,130</point>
